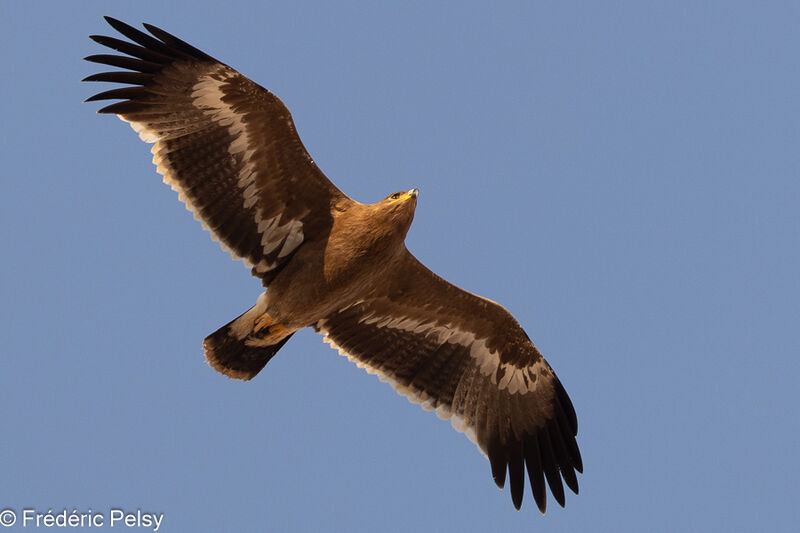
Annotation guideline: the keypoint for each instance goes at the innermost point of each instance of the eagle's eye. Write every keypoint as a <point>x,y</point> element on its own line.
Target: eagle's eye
<point>395,196</point>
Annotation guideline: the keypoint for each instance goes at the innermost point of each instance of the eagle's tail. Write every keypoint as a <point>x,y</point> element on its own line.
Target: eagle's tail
<point>242,347</point>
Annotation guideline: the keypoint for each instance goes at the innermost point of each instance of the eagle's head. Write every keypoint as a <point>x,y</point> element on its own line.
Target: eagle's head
<point>399,207</point>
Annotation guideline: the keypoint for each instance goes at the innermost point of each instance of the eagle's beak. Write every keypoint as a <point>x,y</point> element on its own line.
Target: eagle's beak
<point>413,193</point>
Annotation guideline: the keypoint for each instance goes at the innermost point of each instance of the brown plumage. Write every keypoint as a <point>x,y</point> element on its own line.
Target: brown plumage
<point>231,151</point>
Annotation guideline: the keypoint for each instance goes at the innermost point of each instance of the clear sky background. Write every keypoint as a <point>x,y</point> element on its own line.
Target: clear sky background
<point>624,179</point>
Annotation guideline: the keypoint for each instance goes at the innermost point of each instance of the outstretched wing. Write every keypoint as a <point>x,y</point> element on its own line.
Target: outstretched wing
<point>226,145</point>
<point>469,359</point>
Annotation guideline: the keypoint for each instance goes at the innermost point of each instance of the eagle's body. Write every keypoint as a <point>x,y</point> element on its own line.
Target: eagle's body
<point>230,150</point>
<point>365,247</point>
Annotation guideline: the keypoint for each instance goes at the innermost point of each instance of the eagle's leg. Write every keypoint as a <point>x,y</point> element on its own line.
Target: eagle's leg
<point>275,331</point>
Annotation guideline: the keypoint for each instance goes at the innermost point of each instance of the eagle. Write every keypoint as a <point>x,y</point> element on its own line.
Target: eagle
<point>230,149</point>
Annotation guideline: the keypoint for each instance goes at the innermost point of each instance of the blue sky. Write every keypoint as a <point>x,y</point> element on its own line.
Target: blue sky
<point>623,178</point>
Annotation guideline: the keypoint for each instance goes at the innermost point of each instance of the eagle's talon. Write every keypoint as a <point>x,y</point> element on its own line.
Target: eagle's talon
<point>263,321</point>
<point>268,330</point>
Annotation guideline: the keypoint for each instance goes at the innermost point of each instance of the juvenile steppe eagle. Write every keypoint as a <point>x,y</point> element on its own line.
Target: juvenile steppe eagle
<point>231,151</point>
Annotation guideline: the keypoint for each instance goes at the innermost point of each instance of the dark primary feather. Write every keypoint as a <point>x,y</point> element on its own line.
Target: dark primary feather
<point>125,62</point>
<point>178,50</point>
<point>133,78</point>
<point>176,43</point>
<point>131,49</point>
<point>127,93</point>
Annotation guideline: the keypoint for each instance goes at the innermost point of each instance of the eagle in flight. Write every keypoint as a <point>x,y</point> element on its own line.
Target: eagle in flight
<point>230,150</point>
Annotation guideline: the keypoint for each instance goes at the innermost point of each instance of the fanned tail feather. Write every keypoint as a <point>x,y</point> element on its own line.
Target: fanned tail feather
<point>228,352</point>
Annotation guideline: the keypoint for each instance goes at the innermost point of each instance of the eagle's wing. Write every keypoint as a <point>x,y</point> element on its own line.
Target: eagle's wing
<point>225,144</point>
<point>469,359</point>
